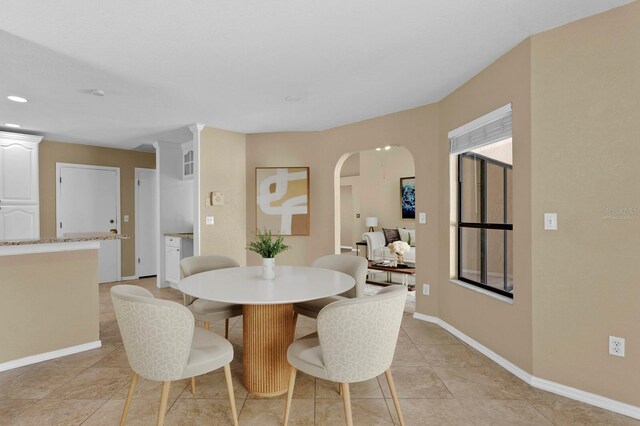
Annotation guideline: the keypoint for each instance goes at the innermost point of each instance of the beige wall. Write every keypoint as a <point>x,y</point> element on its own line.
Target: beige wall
<point>585,85</point>
<point>222,169</point>
<point>505,328</point>
<point>416,130</point>
<point>48,301</point>
<point>380,173</point>
<point>52,152</point>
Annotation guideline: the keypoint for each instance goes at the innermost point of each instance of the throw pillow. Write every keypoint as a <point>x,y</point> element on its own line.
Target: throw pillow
<point>391,235</point>
<point>412,237</point>
<point>404,235</point>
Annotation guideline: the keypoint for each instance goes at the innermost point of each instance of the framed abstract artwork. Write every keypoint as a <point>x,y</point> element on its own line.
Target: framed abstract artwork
<point>408,197</point>
<point>282,200</point>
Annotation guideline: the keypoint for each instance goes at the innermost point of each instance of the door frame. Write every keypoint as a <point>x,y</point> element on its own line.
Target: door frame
<point>59,166</point>
<point>136,170</point>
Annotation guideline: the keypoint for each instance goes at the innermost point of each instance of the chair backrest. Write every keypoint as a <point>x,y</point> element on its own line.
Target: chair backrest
<point>197,264</point>
<point>358,336</point>
<point>375,242</point>
<point>156,333</point>
<point>354,266</point>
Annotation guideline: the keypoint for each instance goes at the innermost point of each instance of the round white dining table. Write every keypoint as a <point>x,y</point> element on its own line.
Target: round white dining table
<point>268,325</point>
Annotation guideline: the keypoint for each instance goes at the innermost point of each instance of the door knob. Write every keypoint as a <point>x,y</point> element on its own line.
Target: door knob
<point>113,231</point>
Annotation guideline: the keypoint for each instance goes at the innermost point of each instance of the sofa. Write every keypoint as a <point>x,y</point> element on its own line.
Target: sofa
<point>377,248</point>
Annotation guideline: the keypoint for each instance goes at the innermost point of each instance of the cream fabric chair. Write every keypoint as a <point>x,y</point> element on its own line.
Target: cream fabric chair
<point>351,265</point>
<point>208,311</point>
<point>356,340</point>
<point>163,344</point>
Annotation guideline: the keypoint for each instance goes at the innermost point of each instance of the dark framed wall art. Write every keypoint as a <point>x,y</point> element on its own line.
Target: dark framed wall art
<point>408,197</point>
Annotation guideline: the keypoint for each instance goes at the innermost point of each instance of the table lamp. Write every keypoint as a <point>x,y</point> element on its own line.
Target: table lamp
<point>371,222</point>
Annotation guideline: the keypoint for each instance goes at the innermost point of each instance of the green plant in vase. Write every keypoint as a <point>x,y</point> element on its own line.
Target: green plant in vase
<point>268,249</point>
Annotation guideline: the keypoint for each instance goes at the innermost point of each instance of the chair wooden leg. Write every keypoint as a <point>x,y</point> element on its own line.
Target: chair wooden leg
<point>193,386</point>
<point>206,325</point>
<point>164,397</point>
<point>340,388</point>
<point>127,403</point>
<point>295,321</point>
<point>292,382</point>
<point>226,328</point>
<point>346,398</point>
<point>394,395</point>
<point>232,397</point>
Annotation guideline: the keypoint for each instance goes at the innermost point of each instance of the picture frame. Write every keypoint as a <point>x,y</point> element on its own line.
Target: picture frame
<point>282,200</point>
<point>408,197</point>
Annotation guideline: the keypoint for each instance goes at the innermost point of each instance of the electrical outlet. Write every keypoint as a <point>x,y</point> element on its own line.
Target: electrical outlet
<point>425,289</point>
<point>616,346</point>
<point>209,220</point>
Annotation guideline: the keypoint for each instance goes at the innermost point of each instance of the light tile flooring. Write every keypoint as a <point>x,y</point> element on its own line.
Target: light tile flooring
<point>440,381</point>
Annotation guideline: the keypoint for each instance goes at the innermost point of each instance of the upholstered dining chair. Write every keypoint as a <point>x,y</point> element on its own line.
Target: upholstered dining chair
<point>163,344</point>
<point>356,340</point>
<point>354,266</point>
<point>208,311</point>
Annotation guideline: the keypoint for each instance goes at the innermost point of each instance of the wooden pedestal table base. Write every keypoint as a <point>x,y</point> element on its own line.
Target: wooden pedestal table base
<point>267,334</point>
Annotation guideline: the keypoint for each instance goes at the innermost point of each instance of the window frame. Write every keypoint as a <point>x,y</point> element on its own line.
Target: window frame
<point>483,225</point>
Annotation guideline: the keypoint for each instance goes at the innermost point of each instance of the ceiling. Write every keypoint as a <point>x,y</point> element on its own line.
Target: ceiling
<point>164,64</point>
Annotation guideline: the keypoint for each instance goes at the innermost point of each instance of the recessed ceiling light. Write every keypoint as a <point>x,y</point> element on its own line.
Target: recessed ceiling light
<point>15,126</point>
<point>292,99</point>
<point>15,98</point>
<point>378,149</point>
<point>97,92</point>
<point>387,148</point>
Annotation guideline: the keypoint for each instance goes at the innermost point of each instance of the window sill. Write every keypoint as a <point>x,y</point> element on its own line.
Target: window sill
<point>482,291</point>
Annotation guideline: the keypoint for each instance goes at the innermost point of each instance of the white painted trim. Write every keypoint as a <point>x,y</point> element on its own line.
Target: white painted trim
<point>195,129</point>
<point>346,248</point>
<point>482,291</point>
<point>118,217</point>
<point>22,137</point>
<point>130,278</point>
<point>480,121</point>
<point>537,382</point>
<point>12,250</point>
<point>587,397</point>
<point>34,359</point>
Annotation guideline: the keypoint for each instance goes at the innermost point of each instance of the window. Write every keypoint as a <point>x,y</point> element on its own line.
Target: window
<point>485,204</point>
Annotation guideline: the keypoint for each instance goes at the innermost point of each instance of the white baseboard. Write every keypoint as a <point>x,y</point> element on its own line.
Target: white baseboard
<point>130,278</point>
<point>347,248</point>
<point>34,359</point>
<point>537,382</point>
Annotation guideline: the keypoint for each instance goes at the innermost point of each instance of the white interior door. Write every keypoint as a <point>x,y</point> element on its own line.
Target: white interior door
<point>146,222</point>
<point>88,201</point>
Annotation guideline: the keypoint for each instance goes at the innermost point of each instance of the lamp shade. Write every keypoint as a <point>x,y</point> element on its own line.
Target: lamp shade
<point>371,221</point>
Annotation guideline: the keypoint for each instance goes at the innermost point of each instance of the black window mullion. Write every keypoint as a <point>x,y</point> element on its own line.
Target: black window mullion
<point>484,243</point>
<point>460,251</point>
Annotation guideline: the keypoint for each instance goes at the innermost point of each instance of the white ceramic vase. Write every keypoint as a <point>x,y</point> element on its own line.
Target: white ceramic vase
<point>268,268</point>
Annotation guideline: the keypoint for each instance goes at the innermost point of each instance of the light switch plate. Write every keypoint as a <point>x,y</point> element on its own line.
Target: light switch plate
<point>209,220</point>
<point>217,199</point>
<point>126,218</point>
<point>422,218</point>
<point>551,221</point>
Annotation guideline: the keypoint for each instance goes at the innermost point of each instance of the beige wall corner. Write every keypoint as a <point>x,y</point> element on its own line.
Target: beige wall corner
<point>586,145</point>
<point>222,169</point>
<point>503,327</point>
<point>415,129</point>
<point>58,152</point>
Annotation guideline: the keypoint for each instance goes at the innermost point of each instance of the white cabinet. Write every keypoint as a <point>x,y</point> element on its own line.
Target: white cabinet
<point>188,161</point>
<point>19,222</point>
<point>19,196</point>
<point>175,249</point>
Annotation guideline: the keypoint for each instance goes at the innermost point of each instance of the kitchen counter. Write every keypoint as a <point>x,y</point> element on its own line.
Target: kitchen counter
<point>187,235</point>
<point>71,238</point>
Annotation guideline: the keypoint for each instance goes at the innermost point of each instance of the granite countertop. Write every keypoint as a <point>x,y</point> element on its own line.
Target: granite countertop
<point>70,238</point>
<point>187,235</point>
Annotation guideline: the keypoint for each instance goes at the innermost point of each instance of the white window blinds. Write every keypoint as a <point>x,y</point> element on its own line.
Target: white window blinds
<point>490,128</point>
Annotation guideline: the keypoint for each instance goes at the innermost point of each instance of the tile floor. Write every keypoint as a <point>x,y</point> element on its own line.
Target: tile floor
<point>440,381</point>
